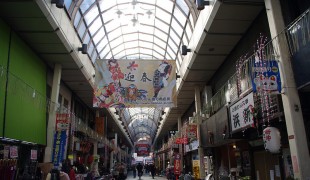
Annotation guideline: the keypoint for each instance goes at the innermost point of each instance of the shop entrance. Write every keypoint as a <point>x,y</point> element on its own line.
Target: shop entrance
<point>267,166</point>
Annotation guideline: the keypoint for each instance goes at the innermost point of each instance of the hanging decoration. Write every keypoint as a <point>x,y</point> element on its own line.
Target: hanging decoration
<point>260,65</point>
<point>272,139</point>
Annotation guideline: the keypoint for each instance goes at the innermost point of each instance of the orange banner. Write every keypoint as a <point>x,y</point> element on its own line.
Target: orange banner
<point>100,125</point>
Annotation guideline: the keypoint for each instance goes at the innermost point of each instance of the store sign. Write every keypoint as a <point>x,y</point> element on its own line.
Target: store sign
<point>266,76</point>
<point>135,83</point>
<point>272,139</point>
<point>181,140</point>
<point>241,113</point>
<point>196,169</point>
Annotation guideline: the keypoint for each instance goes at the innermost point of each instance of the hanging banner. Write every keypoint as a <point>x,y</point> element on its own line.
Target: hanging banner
<point>142,149</point>
<point>177,164</point>
<point>100,125</point>
<point>60,138</point>
<point>241,113</point>
<point>266,76</point>
<point>135,83</point>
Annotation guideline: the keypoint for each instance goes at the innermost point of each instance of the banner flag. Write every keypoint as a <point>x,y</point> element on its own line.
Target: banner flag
<point>135,83</point>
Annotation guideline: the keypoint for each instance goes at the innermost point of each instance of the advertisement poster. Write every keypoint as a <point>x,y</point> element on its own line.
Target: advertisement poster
<point>34,154</point>
<point>241,113</point>
<point>191,131</point>
<point>135,83</point>
<point>266,76</point>
<point>13,152</point>
<point>196,169</point>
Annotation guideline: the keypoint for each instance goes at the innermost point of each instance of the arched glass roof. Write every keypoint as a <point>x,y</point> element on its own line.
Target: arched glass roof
<point>134,29</point>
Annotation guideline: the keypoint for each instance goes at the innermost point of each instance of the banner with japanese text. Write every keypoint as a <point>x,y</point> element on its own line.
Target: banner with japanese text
<point>177,164</point>
<point>241,113</point>
<point>142,149</point>
<point>135,83</point>
<point>60,138</point>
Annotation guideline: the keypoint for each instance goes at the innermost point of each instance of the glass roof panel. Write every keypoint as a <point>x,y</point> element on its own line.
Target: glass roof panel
<point>95,26</point>
<point>135,29</point>
<point>91,15</point>
<point>163,15</point>
<point>99,35</point>
<point>85,5</point>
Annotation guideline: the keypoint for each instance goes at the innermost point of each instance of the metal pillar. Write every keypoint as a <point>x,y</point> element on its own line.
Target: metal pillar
<point>200,148</point>
<point>291,103</point>
<point>52,114</point>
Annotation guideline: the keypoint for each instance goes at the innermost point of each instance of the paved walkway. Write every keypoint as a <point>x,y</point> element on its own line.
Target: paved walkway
<point>144,177</point>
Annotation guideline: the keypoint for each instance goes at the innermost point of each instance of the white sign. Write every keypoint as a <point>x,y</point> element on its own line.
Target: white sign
<point>241,113</point>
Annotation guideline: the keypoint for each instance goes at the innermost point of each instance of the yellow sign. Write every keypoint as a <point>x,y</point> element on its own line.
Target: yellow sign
<point>196,168</point>
<point>135,83</point>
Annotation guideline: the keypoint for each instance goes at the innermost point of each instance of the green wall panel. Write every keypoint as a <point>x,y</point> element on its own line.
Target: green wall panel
<point>25,113</point>
<point>4,48</point>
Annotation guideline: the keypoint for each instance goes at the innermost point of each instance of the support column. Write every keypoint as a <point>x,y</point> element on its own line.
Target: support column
<point>291,103</point>
<point>200,148</point>
<point>180,145</point>
<point>164,158</point>
<point>52,114</point>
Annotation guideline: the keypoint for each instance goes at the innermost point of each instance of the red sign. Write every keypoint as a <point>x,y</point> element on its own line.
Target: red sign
<point>181,140</point>
<point>177,164</point>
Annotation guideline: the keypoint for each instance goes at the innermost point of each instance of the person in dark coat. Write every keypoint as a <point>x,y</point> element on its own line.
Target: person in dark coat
<point>139,169</point>
<point>152,170</point>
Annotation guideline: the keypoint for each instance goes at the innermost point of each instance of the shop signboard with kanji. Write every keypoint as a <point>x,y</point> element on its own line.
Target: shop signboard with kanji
<point>135,83</point>
<point>241,113</point>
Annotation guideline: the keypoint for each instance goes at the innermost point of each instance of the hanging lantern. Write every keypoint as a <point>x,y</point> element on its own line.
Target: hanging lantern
<point>272,139</point>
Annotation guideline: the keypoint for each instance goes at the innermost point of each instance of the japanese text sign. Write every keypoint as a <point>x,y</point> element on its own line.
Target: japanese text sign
<point>241,113</point>
<point>135,83</point>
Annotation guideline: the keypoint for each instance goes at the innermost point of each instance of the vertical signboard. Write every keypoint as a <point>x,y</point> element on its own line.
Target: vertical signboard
<point>60,138</point>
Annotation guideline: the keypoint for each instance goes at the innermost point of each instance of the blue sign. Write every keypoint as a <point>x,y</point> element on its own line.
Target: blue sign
<point>60,138</point>
<point>266,77</point>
